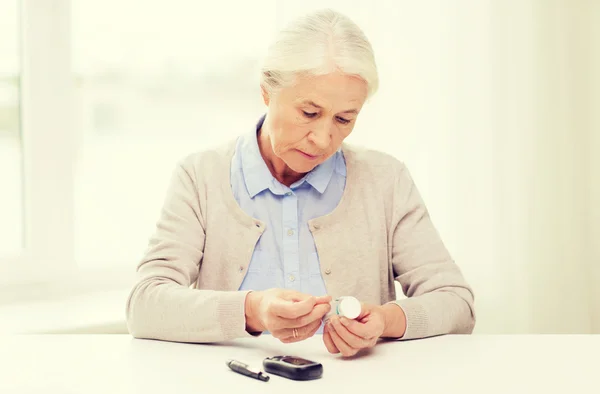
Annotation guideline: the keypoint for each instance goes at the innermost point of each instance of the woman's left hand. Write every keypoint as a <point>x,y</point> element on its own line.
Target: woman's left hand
<point>342,335</point>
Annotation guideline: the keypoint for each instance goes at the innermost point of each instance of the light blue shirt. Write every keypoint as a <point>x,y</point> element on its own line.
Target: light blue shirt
<point>285,255</point>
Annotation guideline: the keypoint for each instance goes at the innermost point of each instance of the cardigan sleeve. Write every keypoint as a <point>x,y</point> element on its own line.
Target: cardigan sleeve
<point>161,304</point>
<point>439,300</point>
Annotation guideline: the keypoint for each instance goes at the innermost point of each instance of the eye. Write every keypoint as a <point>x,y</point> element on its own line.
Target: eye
<point>309,114</point>
<point>342,120</point>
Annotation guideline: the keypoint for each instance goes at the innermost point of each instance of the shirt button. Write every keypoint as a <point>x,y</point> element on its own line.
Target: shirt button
<point>327,271</point>
<point>290,232</point>
<point>288,193</point>
<point>292,278</point>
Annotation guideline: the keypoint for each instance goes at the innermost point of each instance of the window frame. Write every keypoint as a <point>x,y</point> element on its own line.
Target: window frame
<point>48,145</point>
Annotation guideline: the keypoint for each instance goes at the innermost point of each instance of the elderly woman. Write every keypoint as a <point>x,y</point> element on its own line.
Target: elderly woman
<point>259,235</point>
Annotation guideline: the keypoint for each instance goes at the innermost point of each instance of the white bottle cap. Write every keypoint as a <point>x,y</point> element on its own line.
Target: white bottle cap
<point>349,307</point>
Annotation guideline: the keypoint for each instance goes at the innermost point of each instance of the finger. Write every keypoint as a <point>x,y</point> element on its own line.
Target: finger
<point>291,309</point>
<point>315,329</point>
<point>296,296</point>
<point>363,330</point>
<point>302,332</point>
<point>315,315</point>
<point>323,299</point>
<point>331,348</point>
<point>339,343</point>
<point>352,340</point>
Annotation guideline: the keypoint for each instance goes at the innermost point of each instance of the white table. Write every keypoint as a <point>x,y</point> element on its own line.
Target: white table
<point>447,364</point>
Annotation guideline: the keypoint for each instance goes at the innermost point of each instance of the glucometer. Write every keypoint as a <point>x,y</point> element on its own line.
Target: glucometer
<point>294,368</point>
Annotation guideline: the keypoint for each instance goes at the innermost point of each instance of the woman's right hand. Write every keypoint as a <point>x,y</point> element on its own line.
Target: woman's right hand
<point>288,315</point>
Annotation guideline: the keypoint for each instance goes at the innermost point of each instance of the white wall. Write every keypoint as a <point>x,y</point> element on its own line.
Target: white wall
<point>594,158</point>
<point>560,259</point>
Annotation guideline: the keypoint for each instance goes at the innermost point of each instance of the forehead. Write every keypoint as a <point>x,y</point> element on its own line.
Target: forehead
<point>329,91</point>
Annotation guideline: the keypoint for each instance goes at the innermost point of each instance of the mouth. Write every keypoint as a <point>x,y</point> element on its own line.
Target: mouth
<point>306,155</point>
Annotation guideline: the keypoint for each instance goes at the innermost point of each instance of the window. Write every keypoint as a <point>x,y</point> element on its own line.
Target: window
<point>11,175</point>
<point>154,81</point>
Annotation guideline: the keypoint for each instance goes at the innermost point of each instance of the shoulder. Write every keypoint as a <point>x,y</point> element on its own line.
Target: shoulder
<point>208,163</point>
<point>379,174</point>
<point>373,164</point>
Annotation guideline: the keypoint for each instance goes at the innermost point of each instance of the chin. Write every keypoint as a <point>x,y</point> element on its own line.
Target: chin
<point>301,166</point>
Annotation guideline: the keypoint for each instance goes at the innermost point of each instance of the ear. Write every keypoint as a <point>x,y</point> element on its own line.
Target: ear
<point>265,95</point>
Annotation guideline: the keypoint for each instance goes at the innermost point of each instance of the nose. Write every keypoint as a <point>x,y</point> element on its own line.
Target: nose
<point>321,134</point>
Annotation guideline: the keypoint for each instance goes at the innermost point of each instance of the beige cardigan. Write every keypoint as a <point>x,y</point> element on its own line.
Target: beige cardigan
<point>188,280</point>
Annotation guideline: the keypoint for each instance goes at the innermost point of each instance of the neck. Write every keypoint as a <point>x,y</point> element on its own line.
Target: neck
<point>276,166</point>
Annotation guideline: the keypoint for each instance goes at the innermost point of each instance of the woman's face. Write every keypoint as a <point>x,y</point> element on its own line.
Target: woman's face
<point>308,121</point>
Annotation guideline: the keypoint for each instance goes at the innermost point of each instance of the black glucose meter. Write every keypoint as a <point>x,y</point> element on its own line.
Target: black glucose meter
<point>294,368</point>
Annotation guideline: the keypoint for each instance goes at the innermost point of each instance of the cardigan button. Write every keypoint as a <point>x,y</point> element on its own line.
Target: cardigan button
<point>241,268</point>
<point>327,271</point>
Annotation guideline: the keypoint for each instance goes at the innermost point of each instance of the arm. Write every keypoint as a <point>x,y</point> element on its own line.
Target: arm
<point>439,299</point>
<point>162,305</point>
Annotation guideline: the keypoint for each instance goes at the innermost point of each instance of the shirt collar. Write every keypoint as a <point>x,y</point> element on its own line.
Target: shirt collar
<point>256,173</point>
<point>320,176</point>
<point>258,177</point>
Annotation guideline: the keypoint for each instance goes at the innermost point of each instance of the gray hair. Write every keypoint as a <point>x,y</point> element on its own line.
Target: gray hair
<point>319,43</point>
